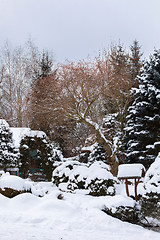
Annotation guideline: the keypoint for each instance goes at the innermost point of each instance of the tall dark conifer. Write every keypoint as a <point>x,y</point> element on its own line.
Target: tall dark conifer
<point>136,62</point>
<point>41,95</point>
<point>142,139</point>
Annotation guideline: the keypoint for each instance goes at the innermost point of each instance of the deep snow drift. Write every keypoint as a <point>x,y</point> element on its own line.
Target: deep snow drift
<point>69,217</point>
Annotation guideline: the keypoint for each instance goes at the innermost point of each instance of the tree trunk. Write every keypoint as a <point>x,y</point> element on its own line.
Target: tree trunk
<point>100,138</point>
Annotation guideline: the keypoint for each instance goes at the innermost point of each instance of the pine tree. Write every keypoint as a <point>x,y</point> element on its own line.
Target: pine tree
<point>8,156</point>
<point>142,141</point>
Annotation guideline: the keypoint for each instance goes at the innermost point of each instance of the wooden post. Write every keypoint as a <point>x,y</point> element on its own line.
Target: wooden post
<point>136,184</point>
<point>127,190</point>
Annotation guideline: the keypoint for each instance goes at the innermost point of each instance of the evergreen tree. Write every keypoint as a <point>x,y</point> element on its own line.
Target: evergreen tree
<point>37,155</point>
<point>8,156</point>
<point>98,154</point>
<point>135,60</point>
<point>42,96</point>
<point>45,64</point>
<point>142,141</point>
<point>121,82</point>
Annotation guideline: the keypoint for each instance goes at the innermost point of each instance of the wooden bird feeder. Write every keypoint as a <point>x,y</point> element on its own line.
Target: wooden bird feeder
<point>128,172</point>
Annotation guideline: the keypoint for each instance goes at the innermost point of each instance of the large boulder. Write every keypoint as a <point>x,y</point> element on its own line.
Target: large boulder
<point>11,186</point>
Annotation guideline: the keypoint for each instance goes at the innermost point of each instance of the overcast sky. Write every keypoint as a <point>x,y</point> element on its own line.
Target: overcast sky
<point>74,29</point>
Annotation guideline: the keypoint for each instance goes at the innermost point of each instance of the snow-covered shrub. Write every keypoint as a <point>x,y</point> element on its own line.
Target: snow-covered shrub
<point>8,154</point>
<point>96,178</point>
<point>127,214</point>
<point>125,209</point>
<point>35,148</point>
<point>151,196</point>
<point>98,153</point>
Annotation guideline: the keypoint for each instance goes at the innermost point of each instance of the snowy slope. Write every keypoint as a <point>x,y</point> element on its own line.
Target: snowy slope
<point>75,217</point>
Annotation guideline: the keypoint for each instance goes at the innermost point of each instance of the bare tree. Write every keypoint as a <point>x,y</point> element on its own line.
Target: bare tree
<point>15,84</point>
<point>19,68</point>
<point>81,98</point>
<point>42,103</point>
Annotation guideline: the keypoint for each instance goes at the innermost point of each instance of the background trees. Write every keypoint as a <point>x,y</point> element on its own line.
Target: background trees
<point>19,68</point>
<point>118,81</point>
<point>72,101</point>
<point>15,84</point>
<point>80,95</point>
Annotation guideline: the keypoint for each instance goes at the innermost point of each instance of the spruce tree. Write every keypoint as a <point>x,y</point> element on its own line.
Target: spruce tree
<point>142,141</point>
<point>45,65</point>
<point>42,95</point>
<point>136,62</point>
<point>8,155</point>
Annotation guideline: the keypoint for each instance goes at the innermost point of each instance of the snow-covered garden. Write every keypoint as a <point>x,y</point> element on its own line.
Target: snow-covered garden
<point>92,169</point>
<point>66,208</point>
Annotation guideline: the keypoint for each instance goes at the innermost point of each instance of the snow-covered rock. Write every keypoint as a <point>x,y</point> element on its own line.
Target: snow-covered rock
<point>20,185</point>
<point>14,182</point>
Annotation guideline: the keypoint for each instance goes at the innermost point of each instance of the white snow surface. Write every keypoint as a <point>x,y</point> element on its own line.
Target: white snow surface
<point>17,183</point>
<point>4,123</point>
<point>130,170</point>
<point>152,177</point>
<point>11,181</point>
<point>154,169</point>
<point>75,217</point>
<point>19,133</point>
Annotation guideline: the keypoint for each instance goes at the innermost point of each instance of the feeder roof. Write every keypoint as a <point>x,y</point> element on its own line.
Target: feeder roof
<point>136,170</point>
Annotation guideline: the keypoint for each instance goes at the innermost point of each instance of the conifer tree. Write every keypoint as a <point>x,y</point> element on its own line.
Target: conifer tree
<point>42,96</point>
<point>120,82</point>
<point>135,60</point>
<point>142,139</point>
<point>8,156</point>
<point>45,65</point>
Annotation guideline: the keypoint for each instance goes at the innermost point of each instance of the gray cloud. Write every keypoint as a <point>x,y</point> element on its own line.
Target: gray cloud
<point>75,28</point>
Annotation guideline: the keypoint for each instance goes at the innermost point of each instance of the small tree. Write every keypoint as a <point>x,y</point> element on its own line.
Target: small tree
<point>8,155</point>
<point>36,146</point>
<point>98,154</point>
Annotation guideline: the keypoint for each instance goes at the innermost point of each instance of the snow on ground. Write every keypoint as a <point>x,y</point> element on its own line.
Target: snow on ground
<point>75,217</point>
